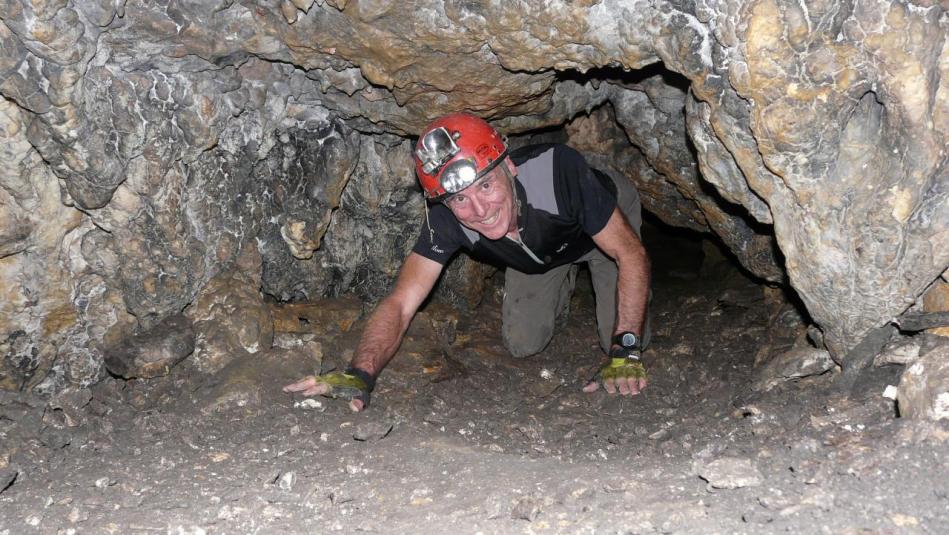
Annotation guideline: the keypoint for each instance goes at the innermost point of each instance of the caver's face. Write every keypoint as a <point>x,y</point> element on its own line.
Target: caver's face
<point>487,206</point>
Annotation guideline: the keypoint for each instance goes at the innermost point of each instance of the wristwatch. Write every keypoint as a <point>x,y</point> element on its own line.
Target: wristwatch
<point>626,345</point>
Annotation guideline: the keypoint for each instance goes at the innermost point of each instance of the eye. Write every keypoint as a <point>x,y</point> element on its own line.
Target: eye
<point>456,200</point>
<point>487,184</point>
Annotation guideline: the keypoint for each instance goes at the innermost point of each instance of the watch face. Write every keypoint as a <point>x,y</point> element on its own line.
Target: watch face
<point>628,340</point>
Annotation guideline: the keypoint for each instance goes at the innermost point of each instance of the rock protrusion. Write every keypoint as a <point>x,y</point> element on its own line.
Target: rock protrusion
<point>793,364</point>
<point>230,316</point>
<point>924,386</point>
<point>153,352</point>
<point>730,473</point>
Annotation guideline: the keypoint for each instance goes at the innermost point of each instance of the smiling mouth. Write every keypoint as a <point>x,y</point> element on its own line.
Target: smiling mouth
<point>491,220</point>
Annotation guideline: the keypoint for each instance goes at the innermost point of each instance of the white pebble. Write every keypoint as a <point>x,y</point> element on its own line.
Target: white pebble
<point>308,404</point>
<point>891,392</point>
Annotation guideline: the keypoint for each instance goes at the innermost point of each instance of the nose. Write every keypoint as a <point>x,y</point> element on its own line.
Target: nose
<point>478,208</point>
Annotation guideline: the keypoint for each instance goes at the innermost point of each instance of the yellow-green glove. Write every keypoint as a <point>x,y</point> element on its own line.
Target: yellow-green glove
<point>622,367</point>
<point>351,384</point>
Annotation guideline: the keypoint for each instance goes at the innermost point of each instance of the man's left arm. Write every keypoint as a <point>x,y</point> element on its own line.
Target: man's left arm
<point>620,242</point>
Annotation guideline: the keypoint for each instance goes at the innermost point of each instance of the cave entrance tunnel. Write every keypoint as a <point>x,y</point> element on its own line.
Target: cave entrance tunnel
<point>738,429</point>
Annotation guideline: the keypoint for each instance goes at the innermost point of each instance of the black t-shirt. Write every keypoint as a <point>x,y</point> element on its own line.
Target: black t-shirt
<point>563,203</point>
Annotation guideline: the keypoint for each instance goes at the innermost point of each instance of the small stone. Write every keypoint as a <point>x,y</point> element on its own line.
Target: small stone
<point>187,530</point>
<point>70,402</point>
<point>154,352</point>
<point>904,521</point>
<point>659,434</point>
<point>730,473</point>
<point>370,431</point>
<point>54,438</point>
<point>339,497</point>
<point>76,515</point>
<point>527,508</point>
<point>103,482</point>
<point>420,496</point>
<point>309,404</point>
<point>903,352</point>
<point>286,480</point>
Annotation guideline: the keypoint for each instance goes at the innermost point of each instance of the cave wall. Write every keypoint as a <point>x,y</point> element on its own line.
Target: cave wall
<point>146,144</point>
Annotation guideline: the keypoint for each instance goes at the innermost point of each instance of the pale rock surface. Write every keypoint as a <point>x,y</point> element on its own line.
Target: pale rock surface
<point>924,386</point>
<point>230,316</point>
<point>152,353</point>
<point>792,364</point>
<point>936,299</point>
<point>729,473</point>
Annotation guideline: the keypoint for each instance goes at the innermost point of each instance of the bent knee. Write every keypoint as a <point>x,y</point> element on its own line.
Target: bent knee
<point>523,343</point>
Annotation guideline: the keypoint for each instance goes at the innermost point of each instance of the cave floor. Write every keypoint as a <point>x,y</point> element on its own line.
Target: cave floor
<point>480,442</point>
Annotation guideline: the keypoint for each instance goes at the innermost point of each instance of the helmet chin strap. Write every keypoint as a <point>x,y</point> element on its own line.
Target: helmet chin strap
<point>431,231</point>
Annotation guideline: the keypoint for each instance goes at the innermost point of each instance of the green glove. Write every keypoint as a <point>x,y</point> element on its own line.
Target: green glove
<point>351,384</point>
<point>621,367</point>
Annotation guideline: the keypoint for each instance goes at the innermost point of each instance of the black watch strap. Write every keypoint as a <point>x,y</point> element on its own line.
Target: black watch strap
<point>617,352</point>
<point>364,375</point>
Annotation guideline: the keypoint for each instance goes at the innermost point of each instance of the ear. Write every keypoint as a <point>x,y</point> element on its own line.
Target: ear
<point>510,165</point>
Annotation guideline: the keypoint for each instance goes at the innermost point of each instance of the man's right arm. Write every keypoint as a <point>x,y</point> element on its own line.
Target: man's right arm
<point>392,316</point>
<point>386,326</point>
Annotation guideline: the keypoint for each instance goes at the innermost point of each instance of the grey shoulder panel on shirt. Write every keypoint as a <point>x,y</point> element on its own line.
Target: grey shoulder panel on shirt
<point>470,234</point>
<point>536,175</point>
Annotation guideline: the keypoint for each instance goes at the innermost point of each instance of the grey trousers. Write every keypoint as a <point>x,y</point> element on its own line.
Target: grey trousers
<point>533,304</point>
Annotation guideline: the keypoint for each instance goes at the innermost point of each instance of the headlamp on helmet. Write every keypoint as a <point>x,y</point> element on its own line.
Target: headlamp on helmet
<point>435,149</point>
<point>454,151</point>
<point>458,175</point>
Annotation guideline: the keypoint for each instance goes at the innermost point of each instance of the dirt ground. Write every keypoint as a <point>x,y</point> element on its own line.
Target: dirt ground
<point>477,442</point>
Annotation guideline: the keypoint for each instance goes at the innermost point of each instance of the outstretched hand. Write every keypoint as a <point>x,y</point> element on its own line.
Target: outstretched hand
<point>335,385</point>
<point>626,376</point>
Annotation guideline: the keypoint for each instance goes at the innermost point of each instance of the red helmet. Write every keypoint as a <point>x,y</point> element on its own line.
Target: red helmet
<point>454,151</point>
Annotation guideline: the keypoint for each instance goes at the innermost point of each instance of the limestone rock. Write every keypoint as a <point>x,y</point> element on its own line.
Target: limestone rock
<point>249,380</point>
<point>902,352</point>
<point>372,431</point>
<point>730,473</point>
<point>792,364</point>
<point>924,386</point>
<point>152,353</point>
<point>936,299</point>
<point>71,403</point>
<point>328,316</point>
<point>230,316</point>
<point>527,508</point>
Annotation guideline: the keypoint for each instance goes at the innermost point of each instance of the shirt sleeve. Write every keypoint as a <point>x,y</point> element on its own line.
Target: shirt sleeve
<point>588,199</point>
<point>441,240</point>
